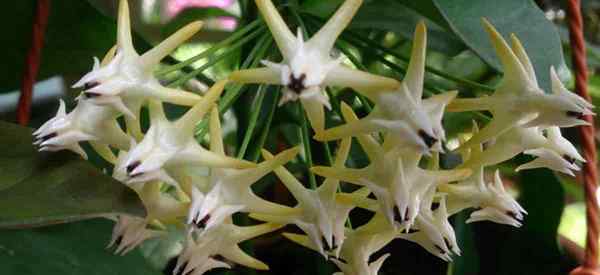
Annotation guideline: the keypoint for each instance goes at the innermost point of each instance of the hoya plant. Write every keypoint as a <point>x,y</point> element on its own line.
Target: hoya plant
<point>332,137</point>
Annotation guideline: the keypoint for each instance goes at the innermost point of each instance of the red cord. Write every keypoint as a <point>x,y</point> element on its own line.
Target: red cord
<point>590,172</point>
<point>32,61</point>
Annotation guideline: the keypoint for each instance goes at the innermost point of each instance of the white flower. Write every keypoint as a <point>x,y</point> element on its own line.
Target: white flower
<point>204,251</point>
<point>401,112</point>
<point>358,247</point>
<point>394,177</point>
<point>494,203</point>
<point>308,66</point>
<point>552,150</point>
<point>433,231</point>
<point>129,232</point>
<point>318,214</point>
<point>227,191</point>
<point>172,145</point>
<point>86,122</point>
<point>127,80</point>
<point>518,100</point>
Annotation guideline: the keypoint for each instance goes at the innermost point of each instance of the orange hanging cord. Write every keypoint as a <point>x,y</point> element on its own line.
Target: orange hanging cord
<point>32,61</point>
<point>590,172</point>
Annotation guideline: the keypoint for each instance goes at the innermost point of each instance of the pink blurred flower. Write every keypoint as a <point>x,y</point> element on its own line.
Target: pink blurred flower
<point>176,6</point>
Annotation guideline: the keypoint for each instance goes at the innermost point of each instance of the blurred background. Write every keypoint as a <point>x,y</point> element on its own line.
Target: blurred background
<point>79,30</point>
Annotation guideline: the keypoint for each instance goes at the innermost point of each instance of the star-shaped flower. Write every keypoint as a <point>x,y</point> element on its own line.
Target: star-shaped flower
<point>518,100</point>
<point>433,231</point>
<point>394,177</point>
<point>552,150</point>
<point>358,247</point>
<point>401,112</point>
<point>87,122</point>
<point>318,213</point>
<point>128,80</point>
<point>129,232</point>
<point>229,191</point>
<point>204,251</point>
<point>308,66</point>
<point>172,145</point>
<point>494,203</point>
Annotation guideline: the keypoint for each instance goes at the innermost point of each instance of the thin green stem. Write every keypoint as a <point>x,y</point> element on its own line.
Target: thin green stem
<point>256,108</point>
<point>227,53</point>
<point>232,94</point>
<point>372,45</point>
<point>361,67</point>
<point>266,129</point>
<point>234,37</point>
<point>305,138</point>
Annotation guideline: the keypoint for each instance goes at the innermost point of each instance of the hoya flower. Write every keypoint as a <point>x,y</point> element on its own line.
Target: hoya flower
<point>87,122</point>
<point>552,150</point>
<point>127,80</point>
<point>518,100</point>
<point>360,244</point>
<point>401,112</point>
<point>229,190</point>
<point>172,145</point>
<point>160,206</point>
<point>433,231</point>
<point>207,250</point>
<point>129,232</point>
<point>308,66</point>
<point>494,203</point>
<point>318,213</point>
<point>394,177</point>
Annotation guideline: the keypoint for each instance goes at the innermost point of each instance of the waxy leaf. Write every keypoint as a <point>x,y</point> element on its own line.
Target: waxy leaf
<point>70,249</point>
<point>38,189</point>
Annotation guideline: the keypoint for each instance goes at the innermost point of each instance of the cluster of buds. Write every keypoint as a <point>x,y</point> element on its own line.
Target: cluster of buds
<point>412,201</point>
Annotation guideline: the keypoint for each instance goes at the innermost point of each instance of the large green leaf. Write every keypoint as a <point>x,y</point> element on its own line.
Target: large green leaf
<point>71,249</point>
<point>45,188</point>
<point>521,17</point>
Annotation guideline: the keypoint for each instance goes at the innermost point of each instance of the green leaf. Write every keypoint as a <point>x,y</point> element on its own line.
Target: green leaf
<point>521,17</point>
<point>71,249</point>
<point>46,188</point>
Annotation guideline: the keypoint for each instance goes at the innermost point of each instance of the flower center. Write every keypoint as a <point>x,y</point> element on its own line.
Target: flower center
<point>297,84</point>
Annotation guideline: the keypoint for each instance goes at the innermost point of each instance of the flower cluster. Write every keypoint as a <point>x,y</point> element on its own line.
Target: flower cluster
<point>402,136</point>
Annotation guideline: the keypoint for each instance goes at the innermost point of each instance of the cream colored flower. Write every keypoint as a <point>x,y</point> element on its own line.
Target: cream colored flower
<point>129,232</point>
<point>308,66</point>
<point>518,100</point>
<point>394,177</point>
<point>87,122</point>
<point>127,81</point>
<point>358,247</point>
<point>552,150</point>
<point>204,250</point>
<point>401,112</point>
<point>172,145</point>
<point>317,213</point>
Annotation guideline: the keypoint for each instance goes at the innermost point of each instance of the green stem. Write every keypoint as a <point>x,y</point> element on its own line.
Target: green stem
<point>232,94</point>
<point>256,108</point>
<point>229,52</point>
<point>371,45</point>
<point>266,129</point>
<point>304,136</point>
<point>235,36</point>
